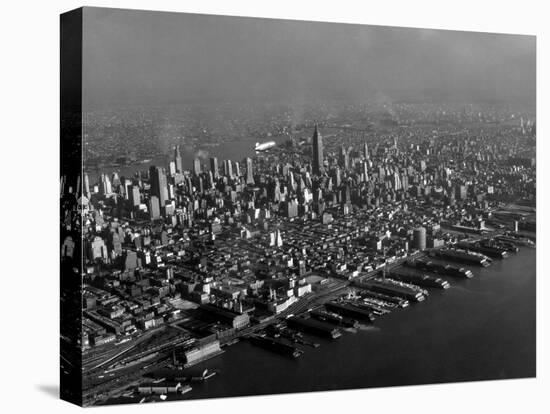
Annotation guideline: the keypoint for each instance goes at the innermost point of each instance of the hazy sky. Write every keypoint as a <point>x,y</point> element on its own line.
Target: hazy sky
<point>137,57</point>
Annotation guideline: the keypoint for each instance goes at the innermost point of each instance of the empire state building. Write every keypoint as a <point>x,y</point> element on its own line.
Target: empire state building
<point>317,148</point>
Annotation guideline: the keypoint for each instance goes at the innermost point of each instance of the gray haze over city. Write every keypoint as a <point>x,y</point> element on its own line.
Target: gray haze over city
<point>136,57</point>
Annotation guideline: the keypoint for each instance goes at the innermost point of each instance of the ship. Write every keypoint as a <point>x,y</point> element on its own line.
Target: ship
<point>401,284</point>
<point>393,288</point>
<point>485,249</point>
<point>374,308</point>
<point>334,318</point>
<point>517,239</point>
<point>397,301</point>
<point>202,376</point>
<point>388,306</point>
<point>264,146</point>
<point>194,375</point>
<point>276,345</point>
<point>185,389</point>
<point>314,326</point>
<point>421,279</point>
<point>296,337</point>
<point>506,245</point>
<point>462,255</point>
<point>440,269</point>
<point>347,309</point>
<point>500,244</point>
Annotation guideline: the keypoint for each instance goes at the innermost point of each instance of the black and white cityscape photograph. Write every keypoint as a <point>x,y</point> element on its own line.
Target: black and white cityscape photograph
<point>255,206</point>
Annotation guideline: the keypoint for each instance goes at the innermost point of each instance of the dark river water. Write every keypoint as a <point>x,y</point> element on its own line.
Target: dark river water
<point>479,329</point>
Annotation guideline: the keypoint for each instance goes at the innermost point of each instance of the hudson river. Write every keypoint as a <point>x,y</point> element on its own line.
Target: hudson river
<point>479,329</point>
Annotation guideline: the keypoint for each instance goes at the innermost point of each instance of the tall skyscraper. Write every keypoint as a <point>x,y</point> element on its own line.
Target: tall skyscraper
<point>278,239</point>
<point>345,195</point>
<point>277,192</point>
<point>105,185</point>
<point>291,208</point>
<point>291,183</point>
<point>125,185</point>
<point>214,167</point>
<point>178,159</point>
<point>396,181</point>
<point>419,238</point>
<point>228,168</point>
<point>366,151</point>
<point>210,178</point>
<point>134,196</point>
<point>197,166</point>
<point>317,147</point>
<point>344,158</point>
<point>172,168</point>
<point>115,181</point>
<point>336,177</point>
<point>157,177</point>
<point>154,208</point>
<point>249,171</point>
<point>86,185</point>
<point>461,192</point>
